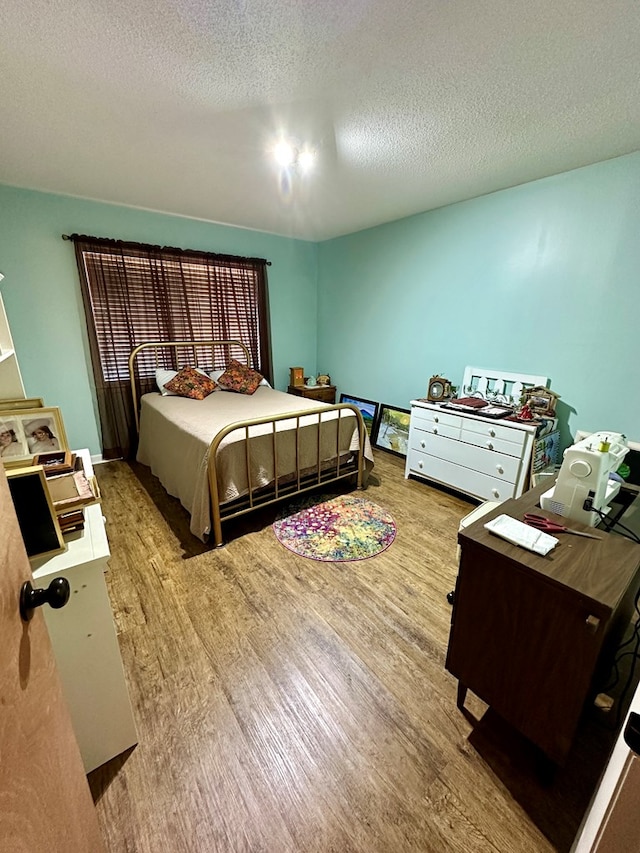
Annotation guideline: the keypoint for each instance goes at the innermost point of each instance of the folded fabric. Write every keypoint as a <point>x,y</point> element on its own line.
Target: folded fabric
<point>472,402</point>
<point>519,533</point>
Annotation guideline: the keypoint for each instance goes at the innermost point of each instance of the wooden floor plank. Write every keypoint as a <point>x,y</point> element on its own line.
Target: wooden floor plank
<point>288,705</point>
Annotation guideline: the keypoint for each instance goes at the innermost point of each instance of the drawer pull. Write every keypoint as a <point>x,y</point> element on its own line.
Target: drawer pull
<point>423,443</point>
<point>495,493</point>
<point>435,430</point>
<point>499,469</point>
<point>490,445</point>
<point>436,419</point>
<point>592,623</point>
<point>492,433</point>
<point>420,465</point>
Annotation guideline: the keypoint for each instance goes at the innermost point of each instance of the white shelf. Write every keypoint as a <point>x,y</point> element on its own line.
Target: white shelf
<point>11,386</point>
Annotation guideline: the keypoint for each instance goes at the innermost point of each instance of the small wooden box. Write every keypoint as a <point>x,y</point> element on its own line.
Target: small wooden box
<point>296,376</point>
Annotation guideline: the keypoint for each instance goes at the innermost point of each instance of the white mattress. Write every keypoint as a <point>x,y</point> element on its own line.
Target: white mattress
<point>175,434</point>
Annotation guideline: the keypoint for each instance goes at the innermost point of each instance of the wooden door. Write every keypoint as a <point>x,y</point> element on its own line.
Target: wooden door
<point>612,822</point>
<point>45,803</point>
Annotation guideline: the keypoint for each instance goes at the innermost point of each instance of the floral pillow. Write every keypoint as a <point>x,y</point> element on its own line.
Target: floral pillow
<point>240,378</point>
<point>190,382</point>
<point>163,377</point>
<point>216,374</point>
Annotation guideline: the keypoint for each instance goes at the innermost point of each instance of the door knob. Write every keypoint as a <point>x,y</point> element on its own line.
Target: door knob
<point>55,595</point>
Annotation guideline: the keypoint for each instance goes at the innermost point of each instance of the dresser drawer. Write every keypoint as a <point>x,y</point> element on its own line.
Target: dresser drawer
<point>490,429</point>
<point>421,430</point>
<point>324,393</point>
<point>500,445</point>
<point>458,477</point>
<point>475,458</point>
<point>428,418</point>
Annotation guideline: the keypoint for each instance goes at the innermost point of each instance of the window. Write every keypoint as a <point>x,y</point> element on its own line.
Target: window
<point>135,293</point>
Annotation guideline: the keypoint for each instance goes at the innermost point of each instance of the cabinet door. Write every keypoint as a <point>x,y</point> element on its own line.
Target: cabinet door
<point>88,656</point>
<point>526,646</point>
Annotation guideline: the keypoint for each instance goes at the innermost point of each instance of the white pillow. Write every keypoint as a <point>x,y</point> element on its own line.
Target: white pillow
<point>216,374</point>
<point>164,376</point>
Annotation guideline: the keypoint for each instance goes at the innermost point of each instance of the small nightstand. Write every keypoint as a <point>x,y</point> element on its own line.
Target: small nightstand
<point>325,393</point>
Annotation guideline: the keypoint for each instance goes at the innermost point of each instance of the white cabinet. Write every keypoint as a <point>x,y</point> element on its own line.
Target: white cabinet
<point>85,643</point>
<point>484,458</point>
<point>11,387</point>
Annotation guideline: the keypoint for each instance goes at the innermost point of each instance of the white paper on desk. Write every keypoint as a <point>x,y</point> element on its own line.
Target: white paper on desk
<point>521,534</point>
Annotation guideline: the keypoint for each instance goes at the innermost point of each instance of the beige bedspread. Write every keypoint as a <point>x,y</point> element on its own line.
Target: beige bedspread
<point>175,434</point>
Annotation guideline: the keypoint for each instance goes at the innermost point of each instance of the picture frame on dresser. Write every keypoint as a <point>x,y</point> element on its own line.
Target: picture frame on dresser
<point>369,410</point>
<point>35,511</point>
<point>392,430</point>
<point>24,433</point>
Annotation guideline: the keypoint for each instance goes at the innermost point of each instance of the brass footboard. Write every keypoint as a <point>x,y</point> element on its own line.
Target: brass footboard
<point>303,470</point>
<point>340,465</point>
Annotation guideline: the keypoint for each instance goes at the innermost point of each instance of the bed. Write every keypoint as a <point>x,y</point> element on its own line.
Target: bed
<point>231,453</point>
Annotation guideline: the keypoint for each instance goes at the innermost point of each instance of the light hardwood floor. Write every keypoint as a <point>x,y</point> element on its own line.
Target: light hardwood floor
<point>288,705</point>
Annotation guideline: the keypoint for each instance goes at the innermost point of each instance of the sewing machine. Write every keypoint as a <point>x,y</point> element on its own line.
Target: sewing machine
<point>583,480</point>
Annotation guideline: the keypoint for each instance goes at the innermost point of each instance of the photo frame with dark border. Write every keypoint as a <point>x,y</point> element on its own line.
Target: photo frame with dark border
<point>368,409</point>
<point>32,431</point>
<point>55,462</point>
<point>35,511</point>
<point>392,430</point>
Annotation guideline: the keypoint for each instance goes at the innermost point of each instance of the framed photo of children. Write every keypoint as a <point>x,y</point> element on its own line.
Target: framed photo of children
<point>368,410</point>
<point>24,433</point>
<point>392,430</point>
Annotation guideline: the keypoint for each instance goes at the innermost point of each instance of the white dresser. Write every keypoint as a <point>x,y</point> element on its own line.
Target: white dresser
<point>485,458</point>
<point>85,643</point>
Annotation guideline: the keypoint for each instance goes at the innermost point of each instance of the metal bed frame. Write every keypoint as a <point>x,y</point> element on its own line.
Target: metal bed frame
<point>300,480</point>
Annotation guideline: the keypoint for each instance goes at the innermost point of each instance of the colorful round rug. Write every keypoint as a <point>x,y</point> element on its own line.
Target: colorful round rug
<point>337,530</point>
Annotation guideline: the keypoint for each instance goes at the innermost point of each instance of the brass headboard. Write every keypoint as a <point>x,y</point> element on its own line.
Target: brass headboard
<point>194,345</point>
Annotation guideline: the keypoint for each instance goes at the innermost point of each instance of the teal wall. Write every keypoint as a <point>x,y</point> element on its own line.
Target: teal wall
<point>543,278</point>
<point>42,298</point>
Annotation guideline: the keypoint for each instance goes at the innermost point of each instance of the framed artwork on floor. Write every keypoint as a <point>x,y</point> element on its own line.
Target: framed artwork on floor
<point>368,410</point>
<point>392,430</point>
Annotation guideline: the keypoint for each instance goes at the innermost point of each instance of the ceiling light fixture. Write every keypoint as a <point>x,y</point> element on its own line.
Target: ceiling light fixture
<point>289,155</point>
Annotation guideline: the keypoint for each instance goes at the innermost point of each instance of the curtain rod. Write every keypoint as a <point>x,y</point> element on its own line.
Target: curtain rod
<point>166,248</point>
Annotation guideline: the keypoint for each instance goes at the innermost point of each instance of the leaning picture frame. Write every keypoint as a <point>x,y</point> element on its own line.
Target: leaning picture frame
<point>36,514</point>
<point>392,430</point>
<point>25,433</point>
<point>26,403</point>
<point>368,410</point>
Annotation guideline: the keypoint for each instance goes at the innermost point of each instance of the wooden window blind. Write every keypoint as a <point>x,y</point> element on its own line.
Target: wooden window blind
<point>135,293</point>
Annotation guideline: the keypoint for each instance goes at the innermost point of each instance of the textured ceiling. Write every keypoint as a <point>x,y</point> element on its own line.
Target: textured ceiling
<point>172,105</point>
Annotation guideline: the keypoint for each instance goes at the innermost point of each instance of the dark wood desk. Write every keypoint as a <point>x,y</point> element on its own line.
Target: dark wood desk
<point>534,636</point>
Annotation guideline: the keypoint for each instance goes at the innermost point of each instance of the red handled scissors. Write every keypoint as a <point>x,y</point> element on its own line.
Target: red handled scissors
<point>542,523</point>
